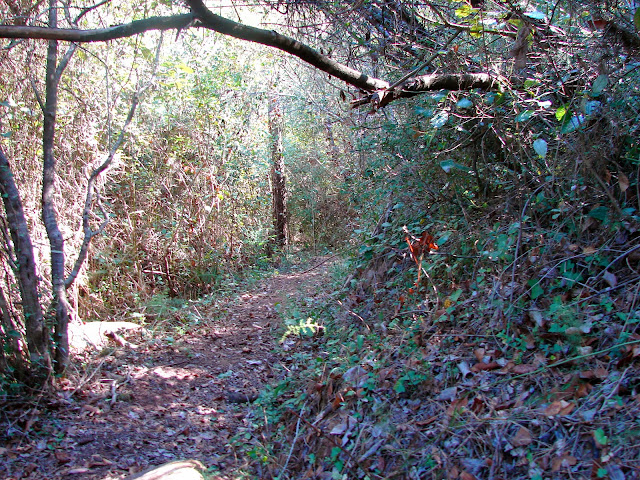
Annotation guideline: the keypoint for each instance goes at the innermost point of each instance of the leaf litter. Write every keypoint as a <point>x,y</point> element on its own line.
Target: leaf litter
<point>158,397</point>
<point>415,397</point>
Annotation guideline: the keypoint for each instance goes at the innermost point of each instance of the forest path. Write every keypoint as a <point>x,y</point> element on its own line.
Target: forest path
<point>156,400</point>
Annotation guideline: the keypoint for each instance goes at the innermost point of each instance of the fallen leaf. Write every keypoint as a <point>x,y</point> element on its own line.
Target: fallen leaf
<point>448,394</point>
<point>478,367</point>
<point>610,278</point>
<point>77,471</point>
<point>522,438</point>
<point>464,368</point>
<point>563,461</point>
<point>456,406</point>
<point>559,407</point>
<point>523,368</point>
<point>62,456</point>
<point>623,182</point>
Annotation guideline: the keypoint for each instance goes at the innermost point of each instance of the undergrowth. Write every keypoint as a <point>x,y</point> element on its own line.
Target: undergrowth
<point>515,356</point>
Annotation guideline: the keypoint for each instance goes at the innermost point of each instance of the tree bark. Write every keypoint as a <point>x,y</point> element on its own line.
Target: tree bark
<point>60,304</point>
<point>174,22</point>
<point>278,179</point>
<point>36,332</point>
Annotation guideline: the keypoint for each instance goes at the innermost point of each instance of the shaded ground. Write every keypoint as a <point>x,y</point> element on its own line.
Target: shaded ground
<point>153,400</point>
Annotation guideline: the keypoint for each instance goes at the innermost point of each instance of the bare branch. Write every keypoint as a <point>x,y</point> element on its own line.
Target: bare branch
<point>89,233</point>
<point>289,45</point>
<point>97,35</point>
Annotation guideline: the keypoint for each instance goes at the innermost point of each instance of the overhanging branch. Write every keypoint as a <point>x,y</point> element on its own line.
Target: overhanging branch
<point>381,92</point>
<point>428,83</point>
<point>97,35</point>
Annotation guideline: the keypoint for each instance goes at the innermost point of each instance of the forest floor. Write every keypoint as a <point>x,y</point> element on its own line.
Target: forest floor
<point>285,378</point>
<point>159,397</point>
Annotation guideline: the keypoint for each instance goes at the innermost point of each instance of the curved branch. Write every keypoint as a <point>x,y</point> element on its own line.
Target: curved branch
<point>289,45</point>
<point>100,34</point>
<point>381,91</point>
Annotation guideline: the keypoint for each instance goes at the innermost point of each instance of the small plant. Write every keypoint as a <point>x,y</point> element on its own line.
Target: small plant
<point>301,328</point>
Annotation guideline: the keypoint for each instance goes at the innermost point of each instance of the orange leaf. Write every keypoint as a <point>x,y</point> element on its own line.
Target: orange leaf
<point>478,367</point>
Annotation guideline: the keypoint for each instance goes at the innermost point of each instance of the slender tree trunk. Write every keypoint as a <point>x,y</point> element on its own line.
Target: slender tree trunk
<point>278,179</point>
<point>24,261</point>
<point>60,303</point>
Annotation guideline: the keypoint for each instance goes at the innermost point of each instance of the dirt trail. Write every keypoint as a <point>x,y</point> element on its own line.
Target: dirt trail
<point>164,399</point>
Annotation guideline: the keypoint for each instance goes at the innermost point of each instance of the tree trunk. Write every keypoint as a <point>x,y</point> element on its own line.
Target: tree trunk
<point>60,304</point>
<point>278,179</point>
<point>24,261</point>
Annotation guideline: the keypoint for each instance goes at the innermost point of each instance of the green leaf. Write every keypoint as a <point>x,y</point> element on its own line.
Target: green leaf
<point>536,291</point>
<point>600,437</point>
<point>599,213</point>
<point>592,107</point>
<point>464,103</point>
<point>636,19</point>
<point>476,31</point>
<point>448,165</point>
<point>524,116</point>
<point>561,112</point>
<point>540,146</point>
<point>455,295</point>
<point>599,84</point>
<point>439,119</point>
<point>536,15</point>
<point>464,11</point>
<point>185,68</point>
<point>574,123</point>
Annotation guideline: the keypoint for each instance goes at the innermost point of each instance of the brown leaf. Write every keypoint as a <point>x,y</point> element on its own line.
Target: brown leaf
<point>62,456</point>
<point>448,394</point>
<point>559,407</point>
<point>623,182</point>
<point>456,406</point>
<point>563,461</point>
<point>522,438</point>
<point>480,366</point>
<point>466,476</point>
<point>523,368</point>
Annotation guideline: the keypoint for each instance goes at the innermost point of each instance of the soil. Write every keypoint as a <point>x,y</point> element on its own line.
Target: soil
<point>151,399</point>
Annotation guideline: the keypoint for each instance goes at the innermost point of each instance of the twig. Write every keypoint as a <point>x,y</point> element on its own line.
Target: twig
<point>567,360</point>
<point>321,432</point>
<point>316,266</point>
<point>295,439</point>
